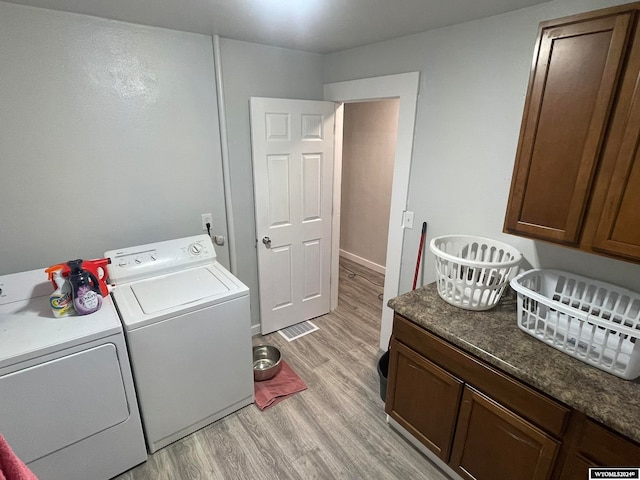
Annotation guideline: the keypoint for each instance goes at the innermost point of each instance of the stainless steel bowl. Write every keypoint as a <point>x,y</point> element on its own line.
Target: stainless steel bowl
<point>266,362</point>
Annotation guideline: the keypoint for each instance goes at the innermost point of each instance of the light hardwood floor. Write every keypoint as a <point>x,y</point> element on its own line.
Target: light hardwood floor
<point>335,429</point>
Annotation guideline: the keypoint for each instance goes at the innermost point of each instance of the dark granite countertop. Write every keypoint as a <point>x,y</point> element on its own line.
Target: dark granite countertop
<point>494,336</point>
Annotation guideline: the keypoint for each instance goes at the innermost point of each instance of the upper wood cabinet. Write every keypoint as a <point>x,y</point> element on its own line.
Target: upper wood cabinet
<point>618,228</point>
<point>576,180</point>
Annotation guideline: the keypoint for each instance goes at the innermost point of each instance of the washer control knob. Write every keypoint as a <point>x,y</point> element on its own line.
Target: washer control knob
<point>195,249</point>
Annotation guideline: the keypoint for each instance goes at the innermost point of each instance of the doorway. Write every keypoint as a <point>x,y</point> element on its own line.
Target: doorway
<point>404,87</point>
<point>368,154</point>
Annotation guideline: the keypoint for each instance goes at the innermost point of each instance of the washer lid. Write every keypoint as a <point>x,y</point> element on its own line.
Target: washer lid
<point>180,288</point>
<point>174,294</point>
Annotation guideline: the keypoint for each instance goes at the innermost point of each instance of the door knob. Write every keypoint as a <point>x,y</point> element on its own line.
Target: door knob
<point>267,242</point>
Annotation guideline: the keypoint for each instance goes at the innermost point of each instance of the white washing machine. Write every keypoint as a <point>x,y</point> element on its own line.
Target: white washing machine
<point>188,330</point>
<point>68,406</point>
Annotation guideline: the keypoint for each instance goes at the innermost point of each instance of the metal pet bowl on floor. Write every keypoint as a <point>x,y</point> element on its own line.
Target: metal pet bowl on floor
<point>266,362</point>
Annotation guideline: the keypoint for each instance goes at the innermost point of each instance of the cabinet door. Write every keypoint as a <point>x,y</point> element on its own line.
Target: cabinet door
<point>493,443</point>
<point>571,91</point>
<point>607,449</point>
<point>576,468</point>
<point>619,228</point>
<point>618,231</point>
<point>597,446</point>
<point>423,398</point>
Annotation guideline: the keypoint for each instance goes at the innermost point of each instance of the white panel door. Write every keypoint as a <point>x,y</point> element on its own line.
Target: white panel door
<point>292,147</point>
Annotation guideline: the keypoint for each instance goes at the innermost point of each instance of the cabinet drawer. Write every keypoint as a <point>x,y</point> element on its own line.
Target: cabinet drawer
<point>530,404</point>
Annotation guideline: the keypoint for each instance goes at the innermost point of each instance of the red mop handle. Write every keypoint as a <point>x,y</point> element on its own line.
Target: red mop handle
<point>422,235</point>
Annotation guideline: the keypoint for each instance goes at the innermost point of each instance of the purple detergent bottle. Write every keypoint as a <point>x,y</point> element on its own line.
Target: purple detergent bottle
<point>85,289</point>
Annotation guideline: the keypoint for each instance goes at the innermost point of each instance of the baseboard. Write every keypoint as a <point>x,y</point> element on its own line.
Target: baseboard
<point>255,330</point>
<point>363,261</point>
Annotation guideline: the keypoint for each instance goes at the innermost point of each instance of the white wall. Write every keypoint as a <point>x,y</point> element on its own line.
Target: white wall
<point>473,84</point>
<point>109,137</point>
<point>251,70</point>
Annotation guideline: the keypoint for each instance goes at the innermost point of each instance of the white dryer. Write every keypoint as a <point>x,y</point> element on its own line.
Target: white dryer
<point>68,406</point>
<point>188,329</point>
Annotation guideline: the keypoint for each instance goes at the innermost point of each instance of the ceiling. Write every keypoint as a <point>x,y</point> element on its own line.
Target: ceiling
<point>321,26</point>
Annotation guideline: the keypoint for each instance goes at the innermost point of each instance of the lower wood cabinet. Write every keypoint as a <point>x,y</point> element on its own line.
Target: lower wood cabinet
<point>424,400</point>
<point>592,445</point>
<point>486,425</point>
<point>494,443</point>
<point>576,468</point>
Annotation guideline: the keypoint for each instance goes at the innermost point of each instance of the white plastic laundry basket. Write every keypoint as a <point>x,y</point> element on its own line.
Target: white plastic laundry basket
<point>593,321</point>
<point>472,272</point>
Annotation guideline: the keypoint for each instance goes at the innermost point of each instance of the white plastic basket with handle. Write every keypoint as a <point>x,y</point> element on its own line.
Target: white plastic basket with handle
<point>472,272</point>
<point>591,320</point>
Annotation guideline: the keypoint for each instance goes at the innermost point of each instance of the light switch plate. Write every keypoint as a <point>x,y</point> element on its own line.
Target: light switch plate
<point>407,219</point>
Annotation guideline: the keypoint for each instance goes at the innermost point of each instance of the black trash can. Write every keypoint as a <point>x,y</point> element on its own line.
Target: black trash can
<point>383,372</point>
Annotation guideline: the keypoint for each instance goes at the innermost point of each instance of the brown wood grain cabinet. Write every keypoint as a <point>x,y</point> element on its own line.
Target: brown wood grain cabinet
<point>592,445</point>
<point>576,178</point>
<point>577,468</point>
<point>417,383</point>
<point>485,424</point>
<point>493,442</point>
<point>618,228</point>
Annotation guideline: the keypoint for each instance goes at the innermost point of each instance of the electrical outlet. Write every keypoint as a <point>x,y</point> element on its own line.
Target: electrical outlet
<point>206,218</point>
